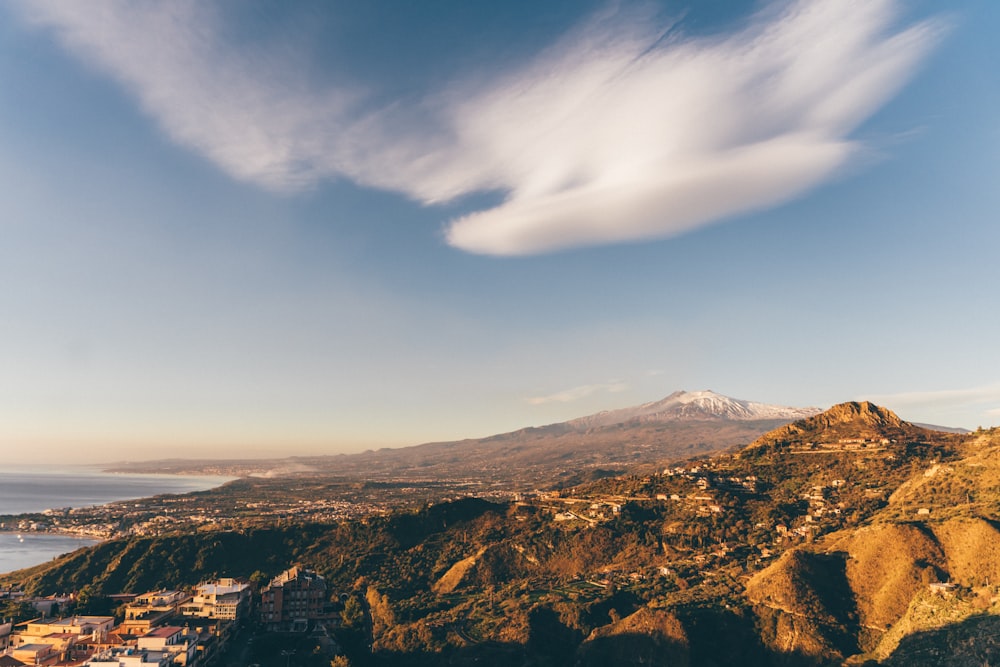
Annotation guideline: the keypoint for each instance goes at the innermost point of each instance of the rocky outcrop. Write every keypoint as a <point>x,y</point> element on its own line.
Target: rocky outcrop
<point>646,637</point>
<point>805,605</point>
<point>853,421</point>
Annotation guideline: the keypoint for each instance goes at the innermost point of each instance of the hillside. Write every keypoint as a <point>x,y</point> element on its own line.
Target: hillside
<point>847,536</point>
<point>919,576</point>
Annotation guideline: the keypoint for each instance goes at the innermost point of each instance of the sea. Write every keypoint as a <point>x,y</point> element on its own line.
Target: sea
<point>36,489</point>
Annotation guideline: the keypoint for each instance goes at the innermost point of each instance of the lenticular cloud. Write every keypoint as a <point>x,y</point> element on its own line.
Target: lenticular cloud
<point>659,138</point>
<point>616,133</point>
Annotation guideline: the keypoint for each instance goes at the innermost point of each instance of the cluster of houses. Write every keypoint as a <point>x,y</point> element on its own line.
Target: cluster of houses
<point>842,445</point>
<point>166,628</point>
<point>154,516</point>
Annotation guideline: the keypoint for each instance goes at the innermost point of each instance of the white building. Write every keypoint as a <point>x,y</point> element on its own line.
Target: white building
<point>166,646</point>
<point>130,657</point>
<point>226,599</point>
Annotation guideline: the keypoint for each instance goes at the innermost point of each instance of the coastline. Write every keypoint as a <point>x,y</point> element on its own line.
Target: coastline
<point>55,533</point>
<point>234,469</point>
<point>55,491</point>
<point>20,550</point>
<point>58,532</point>
<point>54,510</point>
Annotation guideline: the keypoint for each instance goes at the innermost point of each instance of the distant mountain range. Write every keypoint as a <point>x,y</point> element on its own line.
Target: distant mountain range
<point>682,425</point>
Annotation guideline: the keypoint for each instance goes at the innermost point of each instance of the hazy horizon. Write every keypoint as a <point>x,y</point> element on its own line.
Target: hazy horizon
<point>263,452</point>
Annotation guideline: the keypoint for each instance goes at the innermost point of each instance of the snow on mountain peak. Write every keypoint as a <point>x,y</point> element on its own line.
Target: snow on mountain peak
<point>694,405</point>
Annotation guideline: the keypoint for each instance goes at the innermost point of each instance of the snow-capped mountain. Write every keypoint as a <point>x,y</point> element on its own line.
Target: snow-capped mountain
<point>693,405</point>
<point>680,426</point>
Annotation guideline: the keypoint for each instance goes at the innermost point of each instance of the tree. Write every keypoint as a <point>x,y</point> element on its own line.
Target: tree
<point>17,611</point>
<point>258,579</point>
<point>380,609</point>
<point>353,614</point>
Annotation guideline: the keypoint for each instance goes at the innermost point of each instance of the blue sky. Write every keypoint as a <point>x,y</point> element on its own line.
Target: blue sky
<point>240,229</point>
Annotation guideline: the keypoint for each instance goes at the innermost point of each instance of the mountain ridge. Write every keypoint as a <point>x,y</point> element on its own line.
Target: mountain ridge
<point>681,425</point>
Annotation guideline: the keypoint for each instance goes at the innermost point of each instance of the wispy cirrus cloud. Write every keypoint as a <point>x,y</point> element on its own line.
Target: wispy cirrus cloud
<point>579,392</point>
<point>971,396</point>
<point>247,111</point>
<point>621,131</point>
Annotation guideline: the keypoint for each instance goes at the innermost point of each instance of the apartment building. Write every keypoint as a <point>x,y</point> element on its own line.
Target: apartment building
<point>293,599</point>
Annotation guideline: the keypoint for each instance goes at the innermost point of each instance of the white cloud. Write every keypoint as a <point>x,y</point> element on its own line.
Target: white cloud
<point>618,132</point>
<point>577,393</point>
